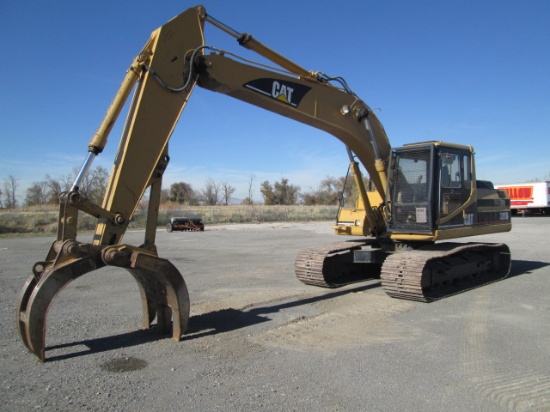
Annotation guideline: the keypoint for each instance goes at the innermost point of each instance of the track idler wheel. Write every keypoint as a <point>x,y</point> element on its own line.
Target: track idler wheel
<point>163,291</point>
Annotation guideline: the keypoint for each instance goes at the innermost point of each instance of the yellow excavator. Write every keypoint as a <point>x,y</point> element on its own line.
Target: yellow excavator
<point>420,193</point>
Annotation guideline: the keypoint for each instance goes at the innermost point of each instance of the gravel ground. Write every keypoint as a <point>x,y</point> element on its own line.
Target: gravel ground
<point>260,340</point>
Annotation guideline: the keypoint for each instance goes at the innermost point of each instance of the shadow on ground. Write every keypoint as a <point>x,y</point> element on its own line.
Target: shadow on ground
<point>226,320</point>
<point>206,324</point>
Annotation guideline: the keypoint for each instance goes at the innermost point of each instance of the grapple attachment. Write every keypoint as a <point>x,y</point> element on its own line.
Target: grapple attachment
<point>163,291</point>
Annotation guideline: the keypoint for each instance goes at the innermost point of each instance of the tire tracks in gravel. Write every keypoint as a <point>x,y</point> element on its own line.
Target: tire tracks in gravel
<point>508,386</point>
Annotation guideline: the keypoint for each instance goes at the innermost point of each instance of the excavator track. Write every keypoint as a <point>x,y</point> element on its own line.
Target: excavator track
<point>330,265</point>
<point>436,271</point>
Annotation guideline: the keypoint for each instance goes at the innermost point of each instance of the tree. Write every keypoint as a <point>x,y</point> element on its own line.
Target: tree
<point>281,193</point>
<point>10,189</point>
<point>210,195</point>
<point>349,191</point>
<point>37,194</point>
<point>54,189</point>
<point>96,180</point>
<point>164,195</point>
<point>328,192</point>
<point>183,193</point>
<point>287,194</point>
<point>266,189</point>
<point>57,186</point>
<point>227,191</point>
<point>249,200</point>
<point>92,186</point>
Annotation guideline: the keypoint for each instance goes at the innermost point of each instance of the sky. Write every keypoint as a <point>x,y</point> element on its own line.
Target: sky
<point>468,72</point>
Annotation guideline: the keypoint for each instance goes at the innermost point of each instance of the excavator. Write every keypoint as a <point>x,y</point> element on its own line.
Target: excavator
<point>418,195</point>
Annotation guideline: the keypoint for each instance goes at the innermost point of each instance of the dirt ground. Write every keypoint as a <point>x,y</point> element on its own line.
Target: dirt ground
<point>260,340</point>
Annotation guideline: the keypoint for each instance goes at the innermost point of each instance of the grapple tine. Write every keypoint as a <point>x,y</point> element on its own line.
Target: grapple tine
<point>163,291</point>
<point>21,314</point>
<point>37,296</point>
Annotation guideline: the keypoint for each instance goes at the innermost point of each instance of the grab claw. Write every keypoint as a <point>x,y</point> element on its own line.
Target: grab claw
<point>163,291</point>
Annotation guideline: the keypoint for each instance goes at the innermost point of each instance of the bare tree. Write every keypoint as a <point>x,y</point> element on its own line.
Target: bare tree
<point>227,190</point>
<point>99,177</point>
<point>10,189</point>
<point>57,186</point>
<point>211,193</point>
<point>93,185</point>
<point>54,189</point>
<point>250,200</point>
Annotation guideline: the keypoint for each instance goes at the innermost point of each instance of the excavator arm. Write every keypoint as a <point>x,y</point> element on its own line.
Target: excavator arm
<point>163,76</point>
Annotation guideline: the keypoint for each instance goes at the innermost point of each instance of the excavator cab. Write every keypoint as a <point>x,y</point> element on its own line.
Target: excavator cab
<point>411,194</point>
<point>432,190</point>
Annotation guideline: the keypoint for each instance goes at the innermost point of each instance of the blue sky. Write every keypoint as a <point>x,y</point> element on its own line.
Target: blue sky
<point>469,72</point>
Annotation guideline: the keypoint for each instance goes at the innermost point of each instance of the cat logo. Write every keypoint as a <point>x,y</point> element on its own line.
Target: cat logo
<point>281,90</point>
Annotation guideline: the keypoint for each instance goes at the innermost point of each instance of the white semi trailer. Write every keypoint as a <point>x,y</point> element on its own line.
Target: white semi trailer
<point>532,197</point>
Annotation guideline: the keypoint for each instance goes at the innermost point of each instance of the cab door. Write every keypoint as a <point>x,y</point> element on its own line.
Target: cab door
<point>455,180</point>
